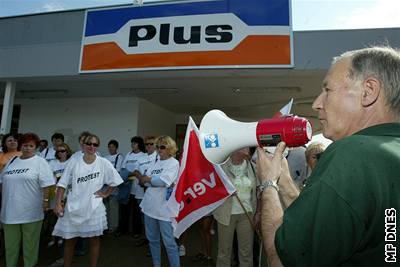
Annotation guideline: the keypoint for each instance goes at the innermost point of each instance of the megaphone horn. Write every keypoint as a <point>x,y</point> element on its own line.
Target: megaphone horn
<point>221,135</point>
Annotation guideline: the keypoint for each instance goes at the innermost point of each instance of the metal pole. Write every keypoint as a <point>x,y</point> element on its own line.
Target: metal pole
<point>260,254</point>
<point>8,105</point>
<point>247,214</point>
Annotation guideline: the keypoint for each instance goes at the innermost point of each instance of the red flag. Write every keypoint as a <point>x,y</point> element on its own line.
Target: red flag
<point>201,186</point>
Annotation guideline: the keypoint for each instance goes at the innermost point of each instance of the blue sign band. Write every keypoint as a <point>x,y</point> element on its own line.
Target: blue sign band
<point>251,12</point>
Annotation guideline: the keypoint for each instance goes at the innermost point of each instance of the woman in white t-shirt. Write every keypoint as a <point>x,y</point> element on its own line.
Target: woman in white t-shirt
<point>62,154</point>
<point>111,203</point>
<point>160,179</point>
<point>25,183</point>
<point>84,214</point>
<point>130,212</point>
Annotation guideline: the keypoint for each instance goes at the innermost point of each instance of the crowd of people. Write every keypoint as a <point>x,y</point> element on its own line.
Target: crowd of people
<point>312,206</point>
<point>81,196</point>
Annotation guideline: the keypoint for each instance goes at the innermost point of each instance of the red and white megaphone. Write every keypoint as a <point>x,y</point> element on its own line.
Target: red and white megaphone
<point>220,135</point>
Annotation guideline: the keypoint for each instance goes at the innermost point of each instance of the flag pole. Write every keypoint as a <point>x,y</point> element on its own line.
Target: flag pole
<point>247,215</point>
<point>260,254</point>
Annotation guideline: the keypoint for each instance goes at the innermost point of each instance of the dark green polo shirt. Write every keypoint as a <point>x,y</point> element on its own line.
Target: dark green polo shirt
<point>339,218</point>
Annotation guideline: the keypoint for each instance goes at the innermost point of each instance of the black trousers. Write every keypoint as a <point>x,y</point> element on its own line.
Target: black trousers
<point>130,221</point>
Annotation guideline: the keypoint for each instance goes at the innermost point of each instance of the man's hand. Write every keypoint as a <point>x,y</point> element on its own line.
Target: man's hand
<point>285,173</point>
<point>257,222</point>
<point>270,167</point>
<point>287,188</point>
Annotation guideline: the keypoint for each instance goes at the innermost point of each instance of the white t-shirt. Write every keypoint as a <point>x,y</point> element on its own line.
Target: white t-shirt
<point>58,167</point>
<point>131,164</point>
<point>86,179</point>
<point>154,203</point>
<point>22,195</point>
<point>143,165</point>
<point>297,165</point>
<point>116,157</point>
<point>48,154</point>
<point>244,186</point>
<point>79,154</point>
<point>131,160</point>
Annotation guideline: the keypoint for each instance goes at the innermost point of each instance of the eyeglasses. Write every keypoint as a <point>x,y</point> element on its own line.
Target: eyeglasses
<point>161,147</point>
<point>92,144</point>
<point>61,151</point>
<point>149,144</point>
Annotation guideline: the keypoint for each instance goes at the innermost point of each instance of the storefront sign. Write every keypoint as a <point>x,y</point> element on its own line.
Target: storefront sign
<point>188,35</point>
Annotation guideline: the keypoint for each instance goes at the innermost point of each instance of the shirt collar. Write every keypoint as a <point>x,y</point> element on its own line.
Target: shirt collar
<point>385,129</point>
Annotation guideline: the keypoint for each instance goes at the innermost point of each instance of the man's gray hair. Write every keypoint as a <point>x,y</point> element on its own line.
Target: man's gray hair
<point>382,63</point>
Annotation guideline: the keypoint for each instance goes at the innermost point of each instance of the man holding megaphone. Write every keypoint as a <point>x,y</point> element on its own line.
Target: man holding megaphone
<point>346,214</point>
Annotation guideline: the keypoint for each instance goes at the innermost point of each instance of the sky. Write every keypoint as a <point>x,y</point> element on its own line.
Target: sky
<point>306,14</point>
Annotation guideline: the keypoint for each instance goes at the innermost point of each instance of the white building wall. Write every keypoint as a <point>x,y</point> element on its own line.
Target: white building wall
<point>109,118</point>
<point>184,118</point>
<point>154,120</point>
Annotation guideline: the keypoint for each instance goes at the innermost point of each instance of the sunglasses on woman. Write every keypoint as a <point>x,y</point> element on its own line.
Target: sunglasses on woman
<point>92,144</point>
<point>161,147</point>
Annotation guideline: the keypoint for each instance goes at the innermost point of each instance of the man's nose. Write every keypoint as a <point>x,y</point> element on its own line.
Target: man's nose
<point>317,104</point>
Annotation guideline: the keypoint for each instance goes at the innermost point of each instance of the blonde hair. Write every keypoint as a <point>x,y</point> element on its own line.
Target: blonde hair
<point>169,143</point>
<point>149,137</point>
<point>66,147</point>
<point>90,136</point>
<point>315,147</point>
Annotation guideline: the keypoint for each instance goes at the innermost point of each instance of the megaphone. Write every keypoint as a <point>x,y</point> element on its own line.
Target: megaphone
<point>220,135</point>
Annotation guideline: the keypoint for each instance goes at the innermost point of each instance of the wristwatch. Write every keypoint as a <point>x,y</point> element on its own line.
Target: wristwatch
<point>264,185</point>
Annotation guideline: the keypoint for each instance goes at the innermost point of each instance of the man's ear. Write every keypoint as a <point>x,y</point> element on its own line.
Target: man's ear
<point>371,91</point>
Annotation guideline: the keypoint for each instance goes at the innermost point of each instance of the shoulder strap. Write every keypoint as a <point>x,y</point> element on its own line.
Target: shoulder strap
<point>116,161</point>
<point>47,151</point>
<point>12,160</point>
<point>9,163</point>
